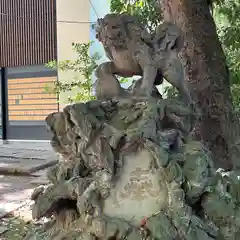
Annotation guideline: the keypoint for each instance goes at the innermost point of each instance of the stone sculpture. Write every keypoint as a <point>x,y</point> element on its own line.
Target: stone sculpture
<point>133,51</point>
<point>131,171</point>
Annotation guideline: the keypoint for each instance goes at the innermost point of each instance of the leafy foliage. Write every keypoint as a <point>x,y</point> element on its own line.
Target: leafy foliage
<point>236,98</point>
<point>146,11</point>
<point>16,227</point>
<point>171,92</point>
<point>83,66</point>
<point>226,15</point>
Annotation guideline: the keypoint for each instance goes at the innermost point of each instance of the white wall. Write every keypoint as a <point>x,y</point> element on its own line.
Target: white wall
<point>73,24</point>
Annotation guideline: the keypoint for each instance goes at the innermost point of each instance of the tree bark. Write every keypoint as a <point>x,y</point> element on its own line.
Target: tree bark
<point>208,79</point>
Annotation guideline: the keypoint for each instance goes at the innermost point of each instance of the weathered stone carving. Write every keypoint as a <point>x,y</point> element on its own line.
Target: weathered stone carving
<point>130,172</point>
<point>133,51</point>
<point>130,169</point>
<point>107,85</point>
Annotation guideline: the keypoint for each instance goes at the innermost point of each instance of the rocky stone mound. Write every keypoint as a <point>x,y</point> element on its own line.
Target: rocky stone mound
<point>130,171</point>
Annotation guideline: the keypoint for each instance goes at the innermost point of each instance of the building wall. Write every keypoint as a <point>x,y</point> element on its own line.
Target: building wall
<point>73,24</point>
<point>28,32</point>
<point>27,43</point>
<point>27,98</point>
<point>28,103</point>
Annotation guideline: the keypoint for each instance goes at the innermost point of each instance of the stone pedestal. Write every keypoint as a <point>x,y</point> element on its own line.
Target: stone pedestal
<point>131,172</point>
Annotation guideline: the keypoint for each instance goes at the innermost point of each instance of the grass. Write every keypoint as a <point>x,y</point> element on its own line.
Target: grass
<point>16,228</point>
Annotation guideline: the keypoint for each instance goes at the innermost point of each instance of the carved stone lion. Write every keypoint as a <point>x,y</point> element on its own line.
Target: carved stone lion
<point>121,36</point>
<point>133,51</point>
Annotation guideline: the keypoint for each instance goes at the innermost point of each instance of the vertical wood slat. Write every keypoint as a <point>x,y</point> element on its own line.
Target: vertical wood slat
<point>27,32</point>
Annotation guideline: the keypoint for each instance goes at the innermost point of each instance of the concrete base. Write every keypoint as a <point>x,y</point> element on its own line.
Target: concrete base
<point>26,157</point>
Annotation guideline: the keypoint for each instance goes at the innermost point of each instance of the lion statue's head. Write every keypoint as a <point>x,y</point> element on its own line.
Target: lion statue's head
<point>115,30</point>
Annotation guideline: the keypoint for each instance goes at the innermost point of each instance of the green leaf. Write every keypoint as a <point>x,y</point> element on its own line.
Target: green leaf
<point>144,10</point>
<point>83,68</point>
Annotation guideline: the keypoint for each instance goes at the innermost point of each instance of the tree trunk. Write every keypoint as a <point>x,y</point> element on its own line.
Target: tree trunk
<point>208,78</point>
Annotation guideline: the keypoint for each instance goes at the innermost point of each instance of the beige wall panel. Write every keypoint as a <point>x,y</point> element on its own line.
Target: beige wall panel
<point>70,11</point>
